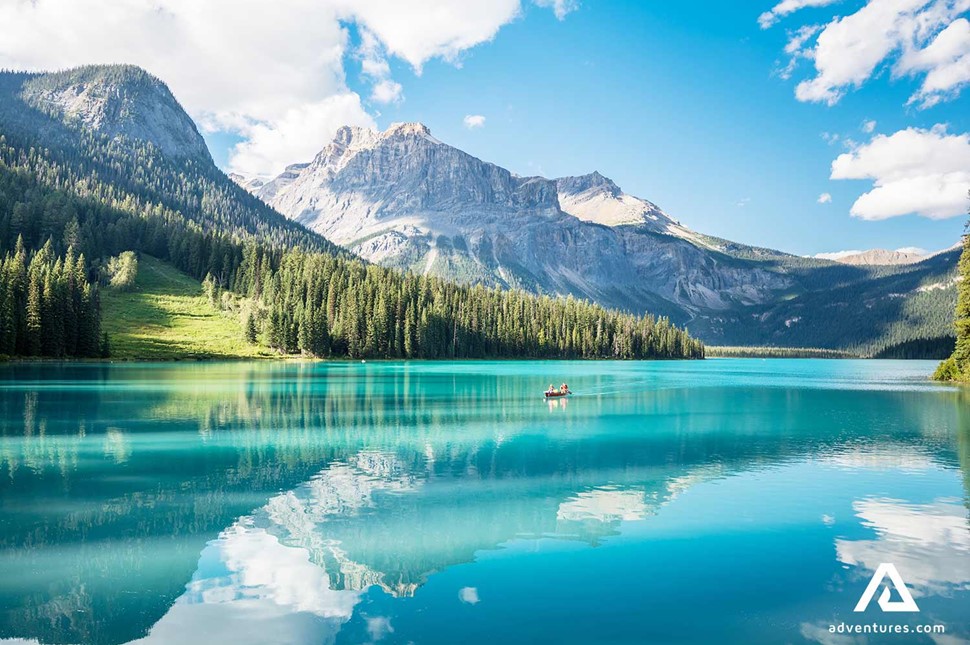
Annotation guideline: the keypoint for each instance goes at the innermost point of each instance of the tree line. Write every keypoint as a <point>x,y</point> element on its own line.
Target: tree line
<point>84,198</point>
<point>957,366</point>
<point>47,305</point>
<point>321,305</point>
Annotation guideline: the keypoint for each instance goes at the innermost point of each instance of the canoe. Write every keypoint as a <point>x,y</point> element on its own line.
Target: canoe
<point>550,395</point>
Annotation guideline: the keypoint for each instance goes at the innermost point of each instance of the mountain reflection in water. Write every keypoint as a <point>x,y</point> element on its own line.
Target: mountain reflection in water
<point>291,503</point>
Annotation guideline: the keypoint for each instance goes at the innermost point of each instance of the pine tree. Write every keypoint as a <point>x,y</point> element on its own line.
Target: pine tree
<point>957,367</point>
<point>35,303</point>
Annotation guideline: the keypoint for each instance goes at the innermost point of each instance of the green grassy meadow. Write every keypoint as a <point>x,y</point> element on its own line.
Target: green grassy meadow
<point>166,316</point>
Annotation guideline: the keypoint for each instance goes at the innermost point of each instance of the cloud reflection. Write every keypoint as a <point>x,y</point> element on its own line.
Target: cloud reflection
<point>928,543</point>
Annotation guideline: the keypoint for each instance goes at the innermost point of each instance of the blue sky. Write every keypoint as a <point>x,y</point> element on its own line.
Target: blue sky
<point>737,118</point>
<point>679,103</point>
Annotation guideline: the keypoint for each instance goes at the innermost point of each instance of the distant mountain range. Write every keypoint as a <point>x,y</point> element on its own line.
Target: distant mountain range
<point>404,199</point>
<point>880,257</point>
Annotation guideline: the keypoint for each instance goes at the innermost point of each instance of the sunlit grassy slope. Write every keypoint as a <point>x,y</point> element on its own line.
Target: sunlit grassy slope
<point>166,316</point>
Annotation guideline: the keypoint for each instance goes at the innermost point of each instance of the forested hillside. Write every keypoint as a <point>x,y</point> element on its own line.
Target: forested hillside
<point>85,175</point>
<point>957,366</point>
<point>903,311</point>
<point>405,199</point>
<point>47,305</point>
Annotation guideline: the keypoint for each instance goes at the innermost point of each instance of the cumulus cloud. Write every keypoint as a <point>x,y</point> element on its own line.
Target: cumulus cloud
<point>785,7</point>
<point>868,126</point>
<point>445,28</point>
<point>946,62</point>
<point>825,198</point>
<point>386,91</point>
<point>560,7</point>
<point>917,38</point>
<point>926,172</point>
<point>473,121</point>
<point>272,73</point>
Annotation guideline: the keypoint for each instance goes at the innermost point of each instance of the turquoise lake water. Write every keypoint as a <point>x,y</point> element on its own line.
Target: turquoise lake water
<point>718,501</point>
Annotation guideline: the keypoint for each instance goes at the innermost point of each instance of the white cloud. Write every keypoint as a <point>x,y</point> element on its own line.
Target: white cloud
<point>271,72</point>
<point>744,201</point>
<point>946,62</point>
<point>386,91</point>
<point>837,255</point>
<point>472,121</point>
<point>795,48</point>
<point>419,30</point>
<point>912,250</point>
<point>912,37</point>
<point>868,126</point>
<point>295,134</point>
<point>786,7</point>
<point>560,7</point>
<point>926,172</point>
<point>825,198</point>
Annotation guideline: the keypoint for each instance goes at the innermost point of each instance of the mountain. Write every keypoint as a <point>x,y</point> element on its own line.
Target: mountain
<point>404,199</point>
<point>877,257</point>
<point>119,126</point>
<point>595,198</point>
<point>120,101</point>
<point>101,162</point>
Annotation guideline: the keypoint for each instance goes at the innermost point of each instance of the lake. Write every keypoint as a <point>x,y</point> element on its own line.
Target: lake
<point>718,501</point>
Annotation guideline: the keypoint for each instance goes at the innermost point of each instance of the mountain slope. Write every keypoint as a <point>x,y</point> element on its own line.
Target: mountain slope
<point>595,198</point>
<point>167,315</point>
<point>121,127</point>
<point>99,161</point>
<point>120,101</point>
<point>876,257</point>
<point>405,199</point>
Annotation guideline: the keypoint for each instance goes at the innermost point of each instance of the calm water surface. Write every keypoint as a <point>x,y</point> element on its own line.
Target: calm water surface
<point>723,501</point>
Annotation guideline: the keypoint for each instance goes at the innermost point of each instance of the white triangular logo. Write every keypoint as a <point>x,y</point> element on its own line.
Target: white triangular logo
<point>886,569</point>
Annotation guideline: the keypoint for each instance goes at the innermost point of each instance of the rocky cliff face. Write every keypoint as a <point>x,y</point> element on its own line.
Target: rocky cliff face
<point>405,199</point>
<point>117,101</point>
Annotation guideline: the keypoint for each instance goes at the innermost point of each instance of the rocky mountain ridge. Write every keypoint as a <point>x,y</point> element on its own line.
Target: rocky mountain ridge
<point>879,257</point>
<point>117,101</point>
<point>405,199</point>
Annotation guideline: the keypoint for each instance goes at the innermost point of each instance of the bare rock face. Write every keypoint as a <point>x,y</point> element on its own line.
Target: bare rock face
<point>405,199</point>
<point>119,101</point>
<point>877,257</point>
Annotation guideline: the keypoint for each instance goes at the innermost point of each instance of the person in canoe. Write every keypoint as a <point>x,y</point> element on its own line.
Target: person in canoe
<point>553,391</point>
